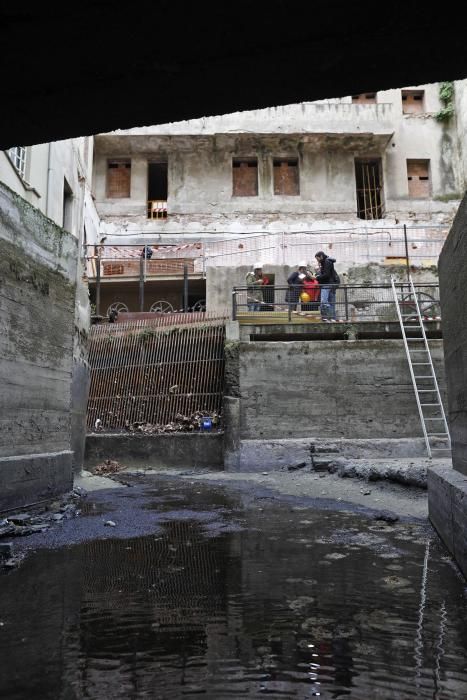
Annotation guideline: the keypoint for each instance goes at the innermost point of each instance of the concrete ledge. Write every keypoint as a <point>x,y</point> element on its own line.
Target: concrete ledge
<point>29,478</point>
<point>256,455</point>
<point>447,510</point>
<point>164,450</point>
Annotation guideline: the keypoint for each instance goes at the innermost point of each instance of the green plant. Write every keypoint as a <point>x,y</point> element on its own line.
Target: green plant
<point>446,95</point>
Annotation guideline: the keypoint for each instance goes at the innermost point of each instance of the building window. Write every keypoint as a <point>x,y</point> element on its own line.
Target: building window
<point>245,177</point>
<point>369,182</point>
<point>118,178</point>
<point>413,101</point>
<point>67,217</point>
<point>366,98</point>
<point>17,156</point>
<point>158,189</point>
<point>286,176</point>
<point>418,176</point>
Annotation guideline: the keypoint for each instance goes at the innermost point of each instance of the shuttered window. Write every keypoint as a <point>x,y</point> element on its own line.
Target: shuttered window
<point>286,176</point>
<point>244,177</point>
<point>418,176</point>
<point>118,178</point>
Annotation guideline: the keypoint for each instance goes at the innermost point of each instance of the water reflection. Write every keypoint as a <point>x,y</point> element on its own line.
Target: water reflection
<point>296,605</point>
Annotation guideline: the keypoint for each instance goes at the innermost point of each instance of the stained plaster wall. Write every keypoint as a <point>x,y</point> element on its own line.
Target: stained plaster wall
<point>37,300</point>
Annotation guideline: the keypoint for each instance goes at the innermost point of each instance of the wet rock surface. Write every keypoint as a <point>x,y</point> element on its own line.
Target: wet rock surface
<point>231,590</point>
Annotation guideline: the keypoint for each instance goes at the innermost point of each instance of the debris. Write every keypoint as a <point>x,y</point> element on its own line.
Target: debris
<point>98,425</point>
<point>296,466</point>
<point>6,550</point>
<point>20,519</point>
<point>110,466</point>
<point>265,473</point>
<point>366,492</point>
<point>386,517</point>
<point>182,424</point>
<point>110,523</point>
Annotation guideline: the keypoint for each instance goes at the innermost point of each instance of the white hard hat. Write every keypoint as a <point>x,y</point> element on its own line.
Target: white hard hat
<point>258,266</point>
<point>303,263</point>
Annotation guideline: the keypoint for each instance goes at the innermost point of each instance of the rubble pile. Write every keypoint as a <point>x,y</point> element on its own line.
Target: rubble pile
<point>35,520</point>
<point>109,466</point>
<point>182,424</point>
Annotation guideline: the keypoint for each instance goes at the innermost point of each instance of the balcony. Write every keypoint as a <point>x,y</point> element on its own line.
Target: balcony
<point>127,263</point>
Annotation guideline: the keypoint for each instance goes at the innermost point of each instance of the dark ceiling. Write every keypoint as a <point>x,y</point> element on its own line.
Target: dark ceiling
<point>92,67</point>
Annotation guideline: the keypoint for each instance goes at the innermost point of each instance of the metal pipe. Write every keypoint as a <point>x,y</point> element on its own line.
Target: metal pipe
<point>407,264</point>
<point>141,283</point>
<point>185,288</point>
<point>98,286</point>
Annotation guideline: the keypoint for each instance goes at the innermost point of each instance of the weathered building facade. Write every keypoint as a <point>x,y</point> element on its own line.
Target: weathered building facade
<point>383,156</point>
<point>330,173</point>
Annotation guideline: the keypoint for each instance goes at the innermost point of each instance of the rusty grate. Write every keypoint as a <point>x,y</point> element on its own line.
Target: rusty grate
<point>144,372</point>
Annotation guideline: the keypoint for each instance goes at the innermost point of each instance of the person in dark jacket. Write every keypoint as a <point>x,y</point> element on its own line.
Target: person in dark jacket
<point>295,282</point>
<point>328,281</point>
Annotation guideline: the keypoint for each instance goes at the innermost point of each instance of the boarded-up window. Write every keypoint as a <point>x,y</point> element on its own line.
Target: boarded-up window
<point>418,176</point>
<point>366,98</point>
<point>286,176</point>
<point>413,101</point>
<point>244,177</point>
<point>118,178</point>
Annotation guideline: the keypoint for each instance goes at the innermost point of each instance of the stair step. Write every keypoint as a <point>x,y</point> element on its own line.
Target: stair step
<point>430,404</point>
<point>420,363</point>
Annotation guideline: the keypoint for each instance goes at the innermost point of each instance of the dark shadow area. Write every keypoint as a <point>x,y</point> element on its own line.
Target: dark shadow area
<point>103,66</point>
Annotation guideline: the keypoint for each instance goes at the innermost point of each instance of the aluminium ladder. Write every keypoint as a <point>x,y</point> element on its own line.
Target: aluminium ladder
<point>430,407</point>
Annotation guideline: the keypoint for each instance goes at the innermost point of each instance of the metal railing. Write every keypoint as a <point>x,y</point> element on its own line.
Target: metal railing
<point>352,303</point>
<point>144,373</point>
<point>157,209</point>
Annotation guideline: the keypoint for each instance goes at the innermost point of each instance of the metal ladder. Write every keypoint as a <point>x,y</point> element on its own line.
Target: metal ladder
<point>430,407</point>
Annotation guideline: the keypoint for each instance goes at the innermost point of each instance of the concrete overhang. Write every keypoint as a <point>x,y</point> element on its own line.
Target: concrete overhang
<point>348,140</point>
<point>92,67</point>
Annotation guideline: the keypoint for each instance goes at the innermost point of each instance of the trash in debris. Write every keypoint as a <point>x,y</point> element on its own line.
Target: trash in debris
<point>386,517</point>
<point>110,523</point>
<point>182,424</point>
<point>98,425</point>
<point>109,466</point>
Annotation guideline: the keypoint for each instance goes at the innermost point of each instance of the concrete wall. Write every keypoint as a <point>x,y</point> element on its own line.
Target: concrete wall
<point>453,292</point>
<point>156,451</point>
<point>37,297</point>
<point>328,389</point>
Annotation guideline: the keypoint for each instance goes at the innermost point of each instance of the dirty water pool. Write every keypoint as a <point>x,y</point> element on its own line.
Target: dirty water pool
<point>200,591</point>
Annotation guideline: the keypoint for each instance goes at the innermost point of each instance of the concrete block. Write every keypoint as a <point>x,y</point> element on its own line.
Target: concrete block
<point>28,478</point>
<point>447,508</point>
<point>190,450</point>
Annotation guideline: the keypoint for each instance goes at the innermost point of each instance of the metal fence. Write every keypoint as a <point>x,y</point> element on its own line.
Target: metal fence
<point>353,303</point>
<point>414,245</point>
<point>142,372</point>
